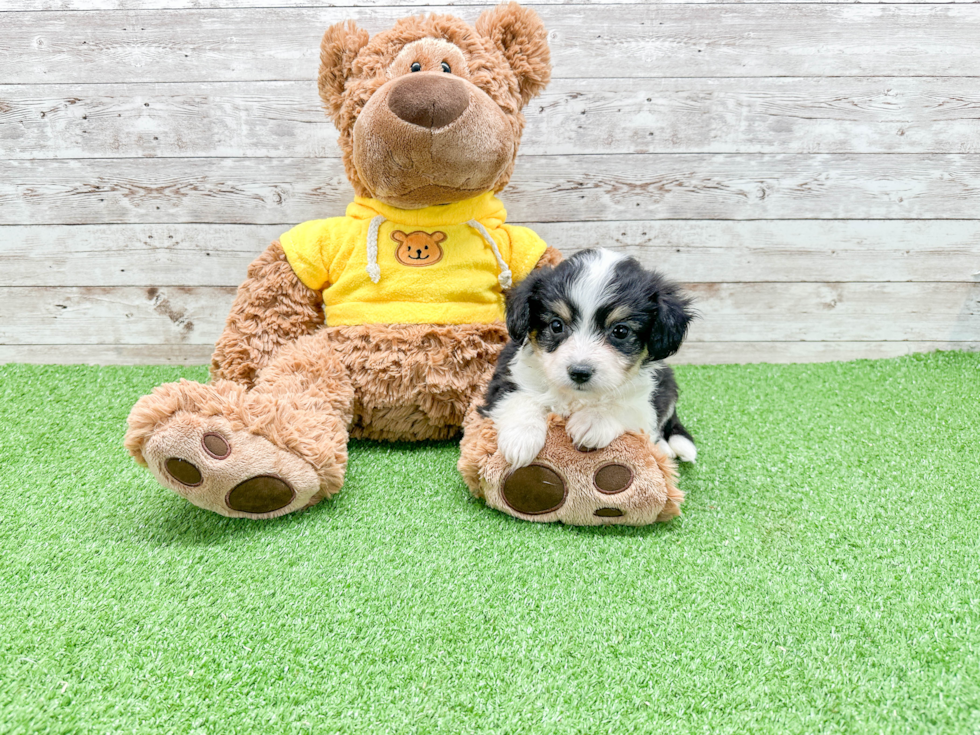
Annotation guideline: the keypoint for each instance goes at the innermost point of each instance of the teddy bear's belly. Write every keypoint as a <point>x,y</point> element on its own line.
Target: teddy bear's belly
<point>416,381</point>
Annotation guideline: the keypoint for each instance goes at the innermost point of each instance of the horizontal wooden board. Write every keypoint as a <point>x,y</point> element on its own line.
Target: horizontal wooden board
<point>74,354</point>
<point>544,188</point>
<point>584,116</point>
<point>693,353</point>
<point>407,6</point>
<point>695,251</point>
<point>731,312</point>
<point>587,41</point>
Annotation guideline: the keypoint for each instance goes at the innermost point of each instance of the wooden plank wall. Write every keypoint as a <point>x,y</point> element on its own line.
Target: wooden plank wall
<point>811,170</point>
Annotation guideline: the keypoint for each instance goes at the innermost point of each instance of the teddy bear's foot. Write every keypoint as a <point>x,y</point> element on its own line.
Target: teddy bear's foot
<point>196,440</point>
<point>234,473</point>
<point>630,482</point>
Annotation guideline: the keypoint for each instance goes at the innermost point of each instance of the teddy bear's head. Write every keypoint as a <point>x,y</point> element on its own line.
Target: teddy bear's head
<point>429,112</point>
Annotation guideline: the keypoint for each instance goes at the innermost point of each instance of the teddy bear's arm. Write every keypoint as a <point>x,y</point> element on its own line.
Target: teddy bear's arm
<point>273,307</point>
<point>549,257</point>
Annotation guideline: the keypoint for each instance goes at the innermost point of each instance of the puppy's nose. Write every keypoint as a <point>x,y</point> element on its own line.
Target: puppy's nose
<point>429,100</point>
<point>580,373</point>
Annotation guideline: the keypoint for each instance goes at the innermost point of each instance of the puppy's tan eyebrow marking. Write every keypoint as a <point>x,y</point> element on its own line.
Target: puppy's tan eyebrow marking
<point>562,309</point>
<point>618,314</point>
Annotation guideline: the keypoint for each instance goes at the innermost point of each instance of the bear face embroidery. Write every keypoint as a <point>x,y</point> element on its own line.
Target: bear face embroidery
<point>418,249</point>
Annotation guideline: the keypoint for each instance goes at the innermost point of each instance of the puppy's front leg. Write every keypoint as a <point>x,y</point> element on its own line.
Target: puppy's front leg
<point>522,428</point>
<point>593,429</point>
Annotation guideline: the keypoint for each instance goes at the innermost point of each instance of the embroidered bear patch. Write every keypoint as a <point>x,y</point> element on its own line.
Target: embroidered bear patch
<point>418,248</point>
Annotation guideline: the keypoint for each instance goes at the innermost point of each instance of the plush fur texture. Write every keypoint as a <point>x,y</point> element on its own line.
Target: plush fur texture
<point>651,497</point>
<point>272,309</point>
<point>429,112</point>
<point>475,153</point>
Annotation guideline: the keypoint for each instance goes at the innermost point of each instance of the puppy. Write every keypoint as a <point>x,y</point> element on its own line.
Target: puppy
<point>587,340</point>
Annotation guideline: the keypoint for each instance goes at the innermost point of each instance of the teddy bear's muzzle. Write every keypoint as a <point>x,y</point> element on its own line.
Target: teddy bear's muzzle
<point>431,138</point>
<point>428,100</point>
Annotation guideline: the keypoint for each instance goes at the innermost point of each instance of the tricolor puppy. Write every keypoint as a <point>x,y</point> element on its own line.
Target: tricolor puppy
<point>587,340</point>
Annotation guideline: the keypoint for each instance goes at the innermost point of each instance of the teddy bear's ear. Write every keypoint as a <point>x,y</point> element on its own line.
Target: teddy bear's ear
<point>520,35</point>
<point>338,49</point>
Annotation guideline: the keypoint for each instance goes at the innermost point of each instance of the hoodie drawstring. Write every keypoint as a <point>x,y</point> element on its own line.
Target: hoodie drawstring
<point>505,278</point>
<point>374,270</point>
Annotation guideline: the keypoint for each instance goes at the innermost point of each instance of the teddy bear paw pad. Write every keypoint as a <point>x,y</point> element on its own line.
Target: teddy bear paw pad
<point>534,489</point>
<point>612,478</point>
<point>262,494</point>
<point>232,472</point>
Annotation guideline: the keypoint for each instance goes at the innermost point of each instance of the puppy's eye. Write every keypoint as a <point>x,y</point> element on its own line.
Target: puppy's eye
<point>416,66</point>
<point>557,326</point>
<point>620,331</point>
<point>445,67</point>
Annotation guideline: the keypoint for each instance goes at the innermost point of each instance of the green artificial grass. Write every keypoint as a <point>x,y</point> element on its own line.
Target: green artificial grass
<point>825,577</point>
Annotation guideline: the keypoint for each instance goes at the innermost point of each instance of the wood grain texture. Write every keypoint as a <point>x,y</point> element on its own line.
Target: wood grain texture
<point>107,354</point>
<point>811,170</point>
<point>694,353</point>
<point>544,188</point>
<point>587,41</point>
<point>353,5</point>
<point>573,116</point>
<point>731,312</point>
<point>696,251</point>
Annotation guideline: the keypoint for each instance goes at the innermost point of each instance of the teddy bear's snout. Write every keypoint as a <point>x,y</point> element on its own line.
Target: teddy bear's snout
<point>429,100</point>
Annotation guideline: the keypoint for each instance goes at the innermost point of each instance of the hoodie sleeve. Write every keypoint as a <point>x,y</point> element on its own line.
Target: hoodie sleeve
<point>307,247</point>
<point>526,249</point>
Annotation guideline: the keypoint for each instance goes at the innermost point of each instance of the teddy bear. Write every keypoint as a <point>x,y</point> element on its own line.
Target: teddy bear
<point>385,323</point>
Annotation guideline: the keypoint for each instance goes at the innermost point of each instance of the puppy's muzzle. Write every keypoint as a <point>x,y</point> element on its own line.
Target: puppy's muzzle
<point>581,374</point>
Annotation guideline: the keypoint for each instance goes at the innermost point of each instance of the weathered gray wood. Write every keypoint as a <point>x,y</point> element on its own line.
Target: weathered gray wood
<point>693,353</point>
<point>673,40</point>
<point>695,251</point>
<point>107,354</point>
<point>170,315</point>
<point>408,6</point>
<point>131,255</point>
<point>593,116</point>
<point>544,188</point>
<point>757,312</point>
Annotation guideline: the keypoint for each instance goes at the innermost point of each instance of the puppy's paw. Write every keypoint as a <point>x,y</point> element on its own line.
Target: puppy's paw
<point>520,444</point>
<point>667,449</point>
<point>589,430</point>
<point>683,447</point>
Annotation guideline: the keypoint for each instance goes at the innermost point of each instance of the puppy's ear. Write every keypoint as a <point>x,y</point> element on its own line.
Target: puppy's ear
<point>519,301</point>
<point>340,45</point>
<point>520,36</point>
<point>673,316</point>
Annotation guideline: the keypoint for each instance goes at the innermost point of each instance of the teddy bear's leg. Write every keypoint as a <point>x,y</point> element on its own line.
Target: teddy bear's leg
<point>630,482</point>
<point>259,453</point>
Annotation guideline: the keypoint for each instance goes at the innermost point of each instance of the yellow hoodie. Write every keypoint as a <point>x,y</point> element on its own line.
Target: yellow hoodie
<point>445,264</point>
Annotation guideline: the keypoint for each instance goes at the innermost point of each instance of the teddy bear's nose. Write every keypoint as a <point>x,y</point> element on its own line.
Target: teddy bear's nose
<point>429,100</point>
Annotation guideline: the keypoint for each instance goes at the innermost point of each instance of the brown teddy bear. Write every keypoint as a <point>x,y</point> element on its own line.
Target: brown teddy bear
<point>385,323</point>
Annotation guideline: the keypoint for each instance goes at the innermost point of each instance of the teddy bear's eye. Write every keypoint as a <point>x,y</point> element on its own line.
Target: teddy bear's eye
<point>445,67</point>
<point>416,66</point>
